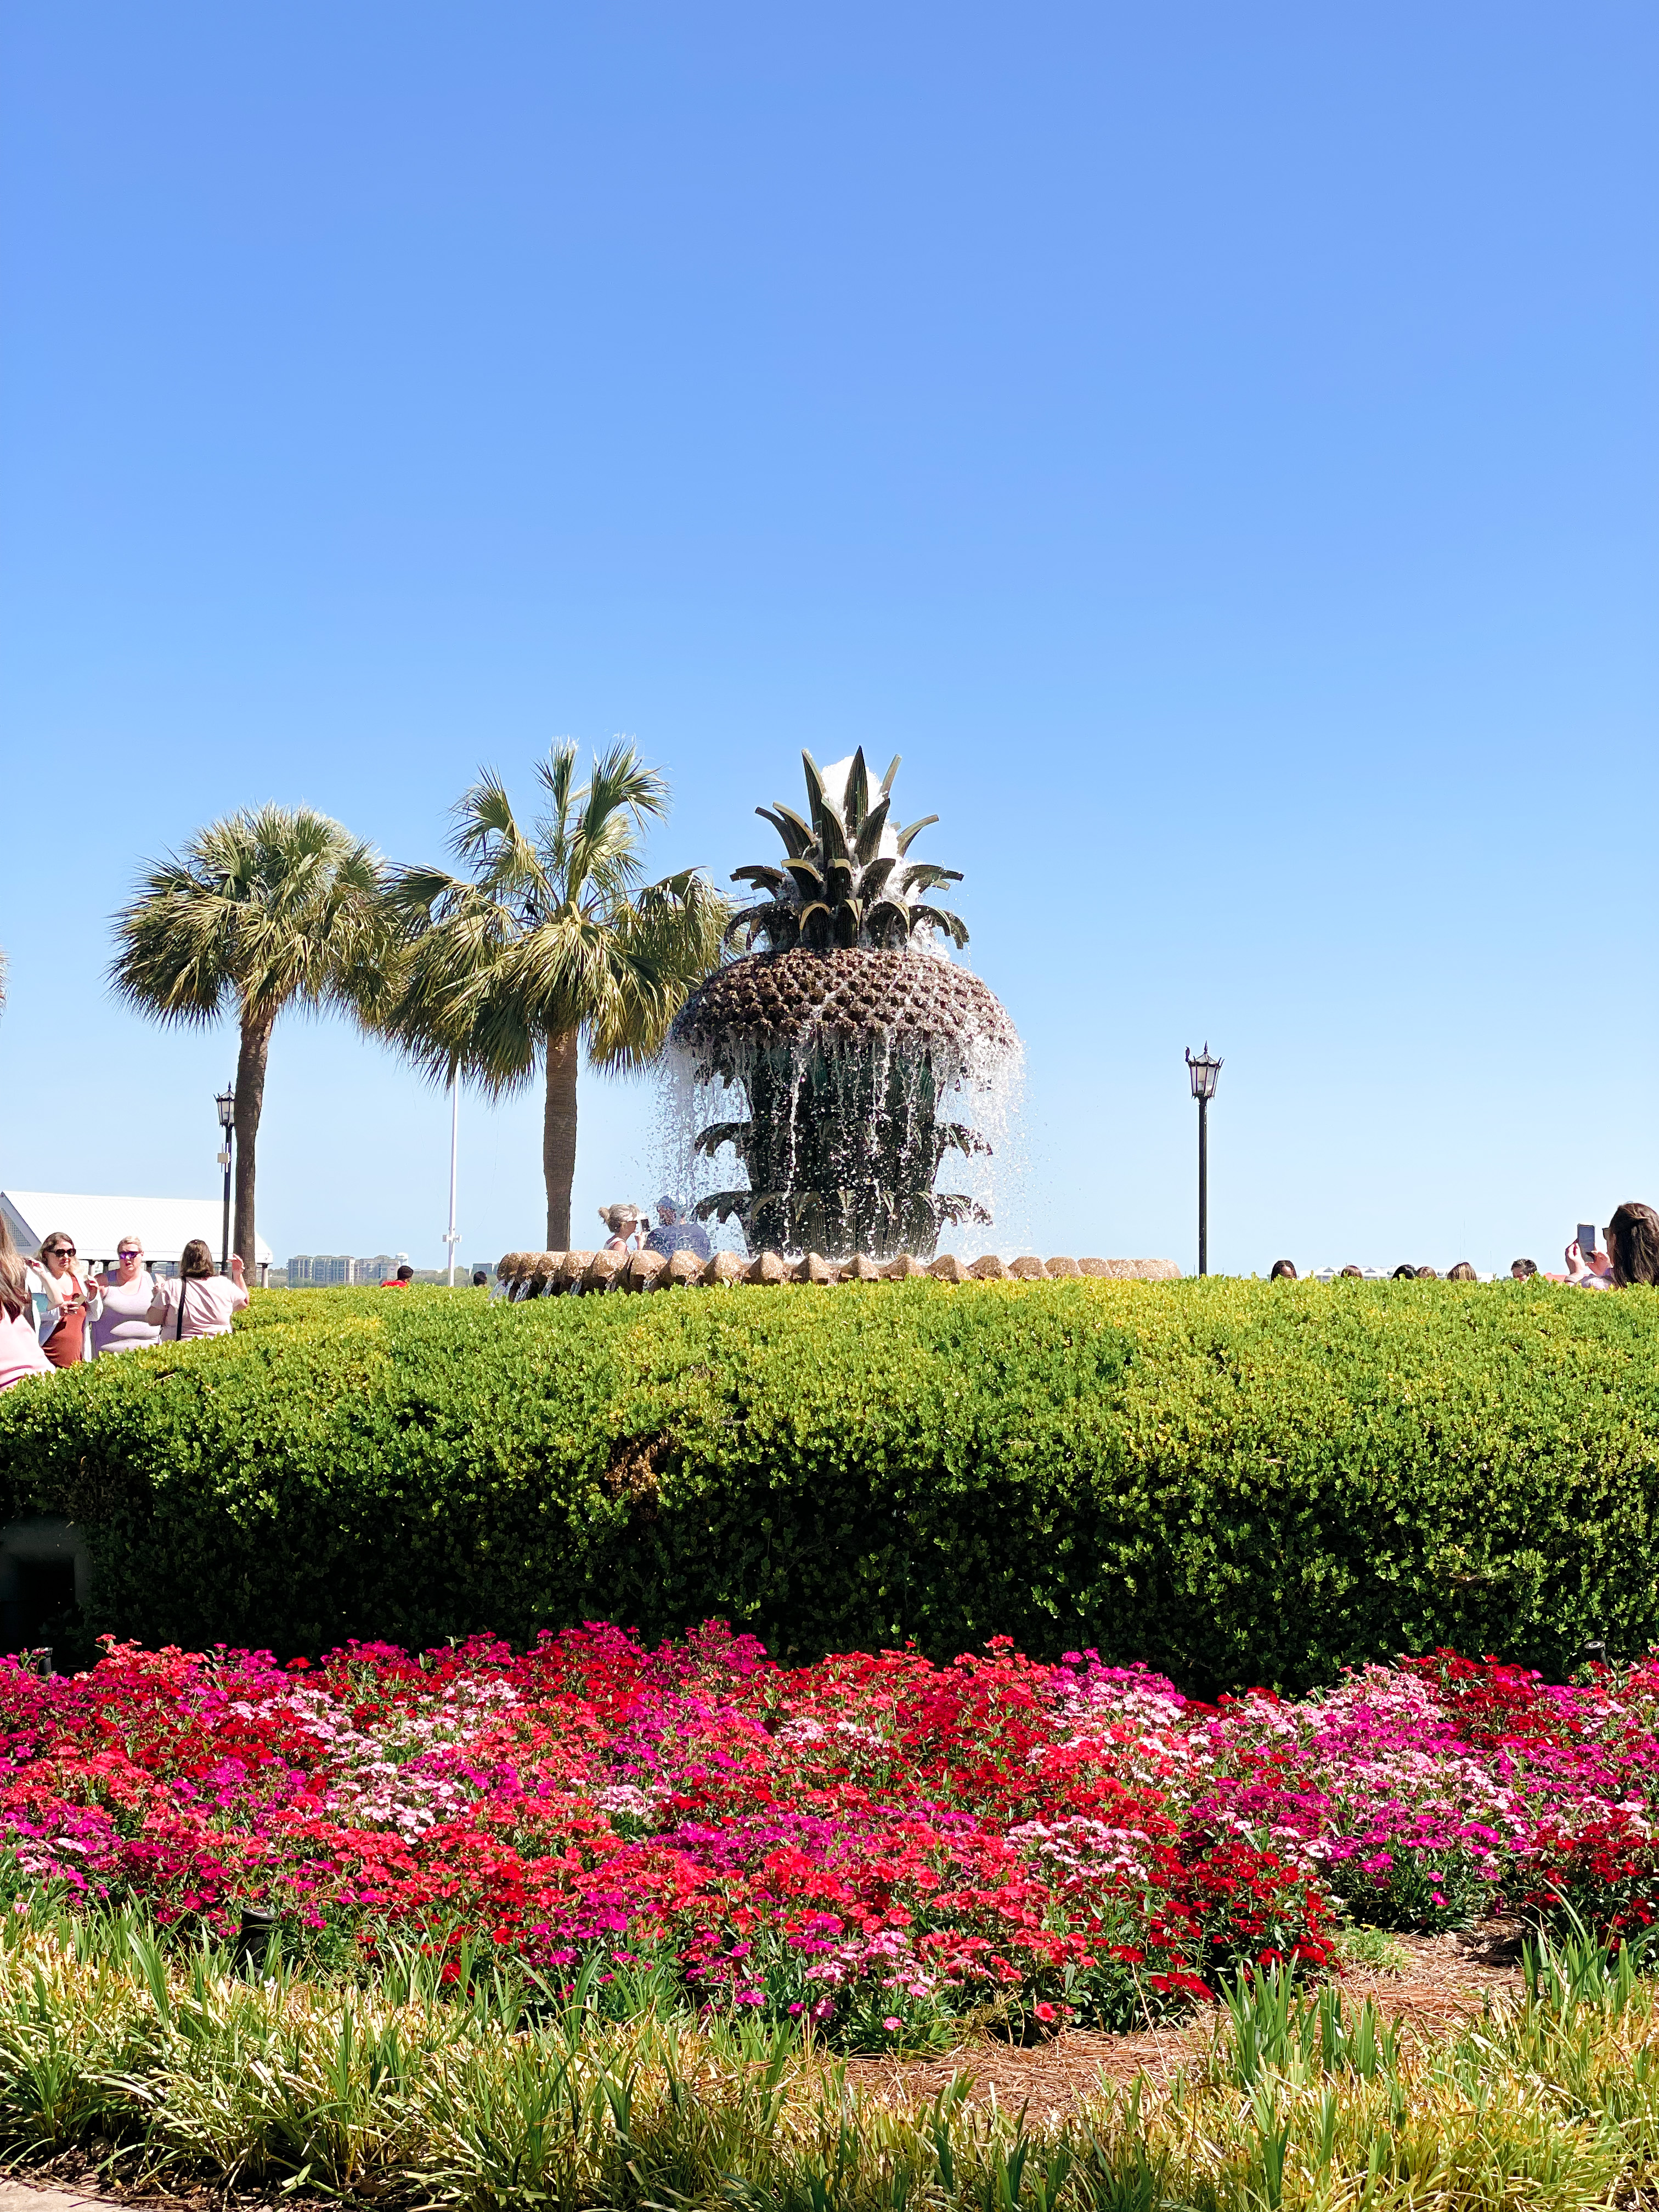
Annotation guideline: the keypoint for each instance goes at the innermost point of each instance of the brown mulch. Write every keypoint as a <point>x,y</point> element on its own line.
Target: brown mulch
<point>1448,1979</point>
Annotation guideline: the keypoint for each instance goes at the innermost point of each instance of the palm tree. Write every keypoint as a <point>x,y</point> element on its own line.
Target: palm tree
<point>262,910</point>
<point>551,942</point>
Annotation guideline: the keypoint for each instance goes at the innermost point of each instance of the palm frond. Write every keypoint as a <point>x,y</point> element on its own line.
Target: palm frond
<point>487,836</point>
<point>550,936</point>
<point>556,775</point>
<point>266,909</point>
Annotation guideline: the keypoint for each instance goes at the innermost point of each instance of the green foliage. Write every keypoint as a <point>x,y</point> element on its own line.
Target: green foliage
<point>1372,1951</point>
<point>263,910</point>
<point>1234,1483</point>
<point>181,2068</point>
<point>552,931</point>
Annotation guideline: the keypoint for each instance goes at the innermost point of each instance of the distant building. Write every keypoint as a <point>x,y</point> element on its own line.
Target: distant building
<point>319,1268</point>
<point>330,1270</point>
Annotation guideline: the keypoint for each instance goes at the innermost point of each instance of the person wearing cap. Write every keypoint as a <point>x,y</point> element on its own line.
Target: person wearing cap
<point>674,1233</point>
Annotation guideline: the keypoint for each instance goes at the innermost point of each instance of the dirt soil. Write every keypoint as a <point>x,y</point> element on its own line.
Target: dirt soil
<point>1448,1979</point>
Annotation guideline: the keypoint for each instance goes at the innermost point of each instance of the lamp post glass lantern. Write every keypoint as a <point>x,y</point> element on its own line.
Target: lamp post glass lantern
<point>1202,1072</point>
<point>226,1102</point>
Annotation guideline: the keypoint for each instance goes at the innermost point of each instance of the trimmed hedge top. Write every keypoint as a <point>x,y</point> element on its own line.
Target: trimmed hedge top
<point>1233,1481</point>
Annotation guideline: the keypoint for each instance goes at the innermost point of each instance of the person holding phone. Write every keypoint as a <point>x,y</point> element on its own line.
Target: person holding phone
<point>66,1301</point>
<point>1589,1271</point>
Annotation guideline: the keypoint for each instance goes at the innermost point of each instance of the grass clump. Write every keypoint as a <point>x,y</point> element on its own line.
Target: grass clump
<point>492,2091</point>
<point>1372,1950</point>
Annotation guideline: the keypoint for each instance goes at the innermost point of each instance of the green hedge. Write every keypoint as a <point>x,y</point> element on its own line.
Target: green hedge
<point>1236,1481</point>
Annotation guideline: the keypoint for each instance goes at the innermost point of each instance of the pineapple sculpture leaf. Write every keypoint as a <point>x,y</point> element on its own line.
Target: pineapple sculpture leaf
<point>845,880</point>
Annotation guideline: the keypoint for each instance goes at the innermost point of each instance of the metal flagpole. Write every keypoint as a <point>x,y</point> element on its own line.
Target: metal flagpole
<point>453,1236</point>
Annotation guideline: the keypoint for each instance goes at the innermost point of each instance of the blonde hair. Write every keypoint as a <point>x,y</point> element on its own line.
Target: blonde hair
<point>14,1284</point>
<point>620,1219</point>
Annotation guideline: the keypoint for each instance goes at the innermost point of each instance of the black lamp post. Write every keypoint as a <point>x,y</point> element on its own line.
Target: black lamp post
<point>1203,1072</point>
<point>226,1102</point>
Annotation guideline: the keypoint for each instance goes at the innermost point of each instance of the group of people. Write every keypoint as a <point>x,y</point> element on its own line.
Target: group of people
<point>1629,1254</point>
<point>53,1313</point>
<point>630,1230</point>
<point>1284,1271</point>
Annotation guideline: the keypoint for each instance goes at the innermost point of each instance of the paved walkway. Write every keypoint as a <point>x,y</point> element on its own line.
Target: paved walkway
<point>27,2196</point>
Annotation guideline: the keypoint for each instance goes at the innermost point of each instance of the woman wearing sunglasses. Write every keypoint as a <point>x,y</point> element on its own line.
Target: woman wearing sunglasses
<point>65,1301</point>
<point>127,1290</point>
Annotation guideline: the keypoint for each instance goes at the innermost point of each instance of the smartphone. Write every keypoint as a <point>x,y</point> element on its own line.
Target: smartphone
<point>1587,1237</point>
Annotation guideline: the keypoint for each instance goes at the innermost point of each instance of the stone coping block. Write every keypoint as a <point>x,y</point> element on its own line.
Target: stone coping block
<point>642,1270</point>
<point>542,1274</point>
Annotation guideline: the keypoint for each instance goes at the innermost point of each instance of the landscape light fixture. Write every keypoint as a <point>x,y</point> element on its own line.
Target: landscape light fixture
<point>1203,1072</point>
<point>226,1102</point>
<point>253,1939</point>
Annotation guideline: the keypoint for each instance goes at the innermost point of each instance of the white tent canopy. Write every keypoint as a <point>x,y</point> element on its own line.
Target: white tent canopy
<point>162,1226</point>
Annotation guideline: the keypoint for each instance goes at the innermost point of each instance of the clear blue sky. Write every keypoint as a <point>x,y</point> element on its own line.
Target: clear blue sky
<point>1216,446</point>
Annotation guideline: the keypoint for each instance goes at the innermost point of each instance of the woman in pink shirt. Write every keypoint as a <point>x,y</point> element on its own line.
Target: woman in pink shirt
<point>21,1355</point>
<point>198,1302</point>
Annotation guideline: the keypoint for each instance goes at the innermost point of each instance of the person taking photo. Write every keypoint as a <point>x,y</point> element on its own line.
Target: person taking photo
<point>198,1302</point>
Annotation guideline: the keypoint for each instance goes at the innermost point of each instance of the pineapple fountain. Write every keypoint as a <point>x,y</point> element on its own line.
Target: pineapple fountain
<point>836,1054</point>
<point>846,1036</point>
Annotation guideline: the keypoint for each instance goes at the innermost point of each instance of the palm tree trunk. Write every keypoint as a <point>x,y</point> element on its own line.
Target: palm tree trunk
<point>250,1099</point>
<point>559,1137</point>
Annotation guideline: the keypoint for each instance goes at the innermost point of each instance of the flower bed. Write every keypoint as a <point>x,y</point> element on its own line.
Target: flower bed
<point>875,1844</point>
